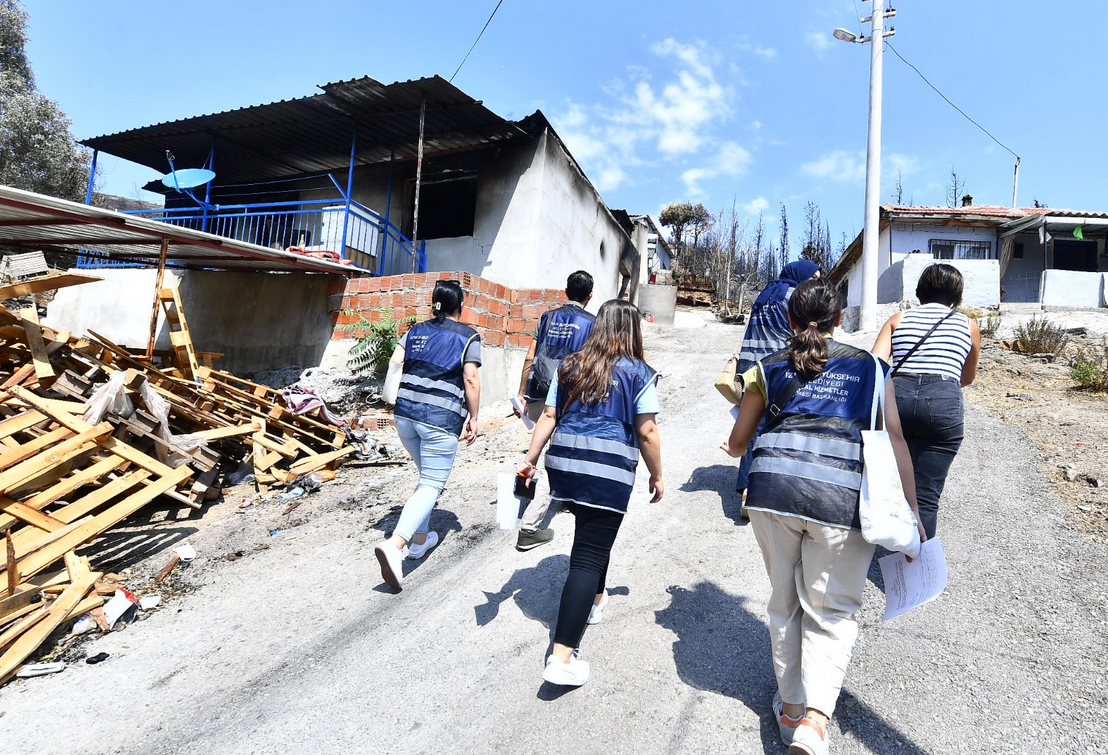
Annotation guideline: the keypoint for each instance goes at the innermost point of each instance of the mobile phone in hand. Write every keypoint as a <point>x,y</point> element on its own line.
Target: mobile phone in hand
<point>523,490</point>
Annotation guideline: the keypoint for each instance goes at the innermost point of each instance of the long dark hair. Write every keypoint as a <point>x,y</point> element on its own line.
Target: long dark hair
<point>813,308</point>
<point>617,332</point>
<point>446,299</point>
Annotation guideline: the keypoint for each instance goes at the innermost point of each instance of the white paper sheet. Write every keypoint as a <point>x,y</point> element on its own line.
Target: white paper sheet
<point>507,505</point>
<point>522,409</point>
<point>734,412</point>
<point>909,585</point>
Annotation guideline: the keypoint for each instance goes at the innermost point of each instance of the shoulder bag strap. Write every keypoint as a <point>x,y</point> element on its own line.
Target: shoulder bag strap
<point>919,343</point>
<point>773,409</point>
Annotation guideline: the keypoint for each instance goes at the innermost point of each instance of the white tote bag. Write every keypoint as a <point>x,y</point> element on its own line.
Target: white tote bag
<point>886,517</point>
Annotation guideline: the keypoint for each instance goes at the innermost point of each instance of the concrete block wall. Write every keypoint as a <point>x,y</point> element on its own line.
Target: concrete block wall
<point>503,316</point>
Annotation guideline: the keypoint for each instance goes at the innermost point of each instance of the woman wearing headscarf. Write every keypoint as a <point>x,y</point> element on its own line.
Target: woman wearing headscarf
<point>768,331</point>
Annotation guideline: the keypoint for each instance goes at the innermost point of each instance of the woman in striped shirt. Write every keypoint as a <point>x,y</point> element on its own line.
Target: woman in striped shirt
<point>934,350</point>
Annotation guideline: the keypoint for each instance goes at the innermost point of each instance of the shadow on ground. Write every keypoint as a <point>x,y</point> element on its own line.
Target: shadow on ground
<point>720,479</point>
<point>722,647</point>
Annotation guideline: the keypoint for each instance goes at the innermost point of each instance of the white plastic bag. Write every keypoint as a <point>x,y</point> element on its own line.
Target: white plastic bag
<point>392,381</point>
<point>111,398</point>
<point>885,515</point>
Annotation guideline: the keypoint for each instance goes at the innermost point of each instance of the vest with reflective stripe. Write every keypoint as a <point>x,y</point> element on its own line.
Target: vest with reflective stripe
<point>594,451</point>
<point>767,331</point>
<point>561,332</point>
<point>809,464</point>
<point>432,390</point>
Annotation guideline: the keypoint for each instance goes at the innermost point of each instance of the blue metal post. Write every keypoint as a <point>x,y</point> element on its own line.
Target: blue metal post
<point>91,176</point>
<point>349,191</point>
<point>208,188</point>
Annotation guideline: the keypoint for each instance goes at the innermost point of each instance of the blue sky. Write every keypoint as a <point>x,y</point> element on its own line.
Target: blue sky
<point>744,103</point>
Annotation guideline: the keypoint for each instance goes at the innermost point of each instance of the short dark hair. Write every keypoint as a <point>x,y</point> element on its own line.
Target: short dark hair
<point>579,286</point>
<point>940,284</point>
<point>446,299</point>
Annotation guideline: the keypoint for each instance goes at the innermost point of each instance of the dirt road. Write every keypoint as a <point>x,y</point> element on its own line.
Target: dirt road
<point>299,648</point>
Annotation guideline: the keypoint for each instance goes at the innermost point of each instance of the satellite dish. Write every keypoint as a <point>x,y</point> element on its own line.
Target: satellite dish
<point>187,178</point>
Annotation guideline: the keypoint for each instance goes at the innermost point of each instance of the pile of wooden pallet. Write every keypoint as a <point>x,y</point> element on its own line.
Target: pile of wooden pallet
<point>65,480</point>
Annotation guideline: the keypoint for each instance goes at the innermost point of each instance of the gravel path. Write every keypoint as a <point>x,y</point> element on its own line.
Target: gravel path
<point>299,648</point>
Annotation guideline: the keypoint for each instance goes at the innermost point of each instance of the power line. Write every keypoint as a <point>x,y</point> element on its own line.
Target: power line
<point>971,120</point>
<point>494,10</point>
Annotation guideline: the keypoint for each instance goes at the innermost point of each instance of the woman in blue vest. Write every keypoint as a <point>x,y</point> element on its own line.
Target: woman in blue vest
<point>599,418</point>
<point>768,331</point>
<point>803,503</point>
<point>436,403</point>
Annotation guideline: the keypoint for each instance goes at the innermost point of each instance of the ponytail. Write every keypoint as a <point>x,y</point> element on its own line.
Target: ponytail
<point>813,308</point>
<point>446,300</point>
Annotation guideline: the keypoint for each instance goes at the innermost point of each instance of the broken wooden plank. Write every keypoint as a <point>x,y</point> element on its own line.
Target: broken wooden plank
<point>17,600</point>
<point>43,368</point>
<point>320,461</point>
<point>218,433</point>
<point>31,516</point>
<point>107,519</point>
<point>48,282</point>
<point>32,447</point>
<point>58,612</point>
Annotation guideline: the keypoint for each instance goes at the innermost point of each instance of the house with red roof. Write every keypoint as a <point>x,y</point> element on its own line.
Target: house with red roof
<point>1007,254</point>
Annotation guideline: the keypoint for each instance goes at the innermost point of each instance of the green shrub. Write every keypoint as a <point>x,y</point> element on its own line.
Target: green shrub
<point>1089,368</point>
<point>376,340</point>
<point>989,325</point>
<point>1040,336</point>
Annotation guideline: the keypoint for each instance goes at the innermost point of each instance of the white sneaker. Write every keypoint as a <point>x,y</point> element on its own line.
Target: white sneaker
<point>786,726</point>
<point>391,564</point>
<point>417,552</point>
<point>572,674</point>
<point>808,740</point>
<point>596,613</point>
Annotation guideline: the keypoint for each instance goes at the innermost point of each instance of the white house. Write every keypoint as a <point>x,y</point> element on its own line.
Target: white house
<point>1007,254</point>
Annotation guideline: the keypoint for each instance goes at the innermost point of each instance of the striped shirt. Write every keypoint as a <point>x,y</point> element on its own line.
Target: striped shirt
<point>943,353</point>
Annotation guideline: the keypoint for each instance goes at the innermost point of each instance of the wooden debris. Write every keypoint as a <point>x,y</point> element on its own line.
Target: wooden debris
<point>65,480</point>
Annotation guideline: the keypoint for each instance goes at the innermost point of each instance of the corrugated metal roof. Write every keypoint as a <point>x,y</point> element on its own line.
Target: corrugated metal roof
<point>313,134</point>
<point>35,221</point>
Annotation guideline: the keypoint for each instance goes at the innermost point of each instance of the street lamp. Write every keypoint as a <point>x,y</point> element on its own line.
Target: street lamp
<point>871,232</point>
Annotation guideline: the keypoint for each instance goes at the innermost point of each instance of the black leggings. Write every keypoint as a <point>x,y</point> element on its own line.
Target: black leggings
<point>593,536</point>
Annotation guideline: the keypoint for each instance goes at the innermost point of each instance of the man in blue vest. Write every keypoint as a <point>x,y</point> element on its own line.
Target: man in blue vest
<point>559,333</point>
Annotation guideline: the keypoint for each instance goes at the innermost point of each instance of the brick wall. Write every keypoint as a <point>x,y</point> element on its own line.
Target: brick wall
<point>503,316</point>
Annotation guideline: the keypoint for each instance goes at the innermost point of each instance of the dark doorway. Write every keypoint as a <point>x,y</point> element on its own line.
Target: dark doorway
<point>1075,255</point>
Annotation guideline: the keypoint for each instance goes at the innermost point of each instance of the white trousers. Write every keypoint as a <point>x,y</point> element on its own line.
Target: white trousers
<point>817,574</point>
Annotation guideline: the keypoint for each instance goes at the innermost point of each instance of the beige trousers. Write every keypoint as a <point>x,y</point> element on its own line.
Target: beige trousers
<point>817,574</point>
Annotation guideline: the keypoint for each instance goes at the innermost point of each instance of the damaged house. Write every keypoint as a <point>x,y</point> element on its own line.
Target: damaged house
<point>397,184</point>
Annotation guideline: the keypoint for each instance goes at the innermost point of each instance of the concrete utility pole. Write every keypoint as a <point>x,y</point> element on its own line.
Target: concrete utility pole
<point>871,233</point>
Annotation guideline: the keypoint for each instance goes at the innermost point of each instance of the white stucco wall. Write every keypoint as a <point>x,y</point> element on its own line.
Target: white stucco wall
<point>1068,288</point>
<point>910,237</point>
<point>538,220</point>
<point>982,280</point>
<point>259,321</point>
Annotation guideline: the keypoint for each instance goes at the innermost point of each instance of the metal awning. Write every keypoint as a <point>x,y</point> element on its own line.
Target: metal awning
<point>1057,222</point>
<point>37,222</point>
<point>361,119</point>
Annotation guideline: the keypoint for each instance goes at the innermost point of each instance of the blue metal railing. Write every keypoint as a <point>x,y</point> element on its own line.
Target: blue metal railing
<point>358,234</point>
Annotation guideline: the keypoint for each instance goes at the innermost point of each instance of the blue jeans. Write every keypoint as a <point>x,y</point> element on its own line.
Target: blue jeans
<point>932,416</point>
<point>433,451</point>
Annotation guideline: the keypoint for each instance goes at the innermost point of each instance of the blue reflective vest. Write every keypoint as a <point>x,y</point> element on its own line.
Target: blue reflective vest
<point>561,332</point>
<point>808,462</point>
<point>432,389</point>
<point>594,451</point>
